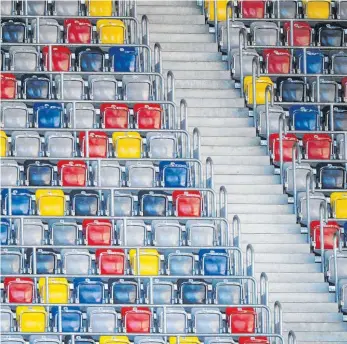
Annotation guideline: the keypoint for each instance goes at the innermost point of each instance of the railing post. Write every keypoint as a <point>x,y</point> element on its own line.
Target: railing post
<point>309,186</point>
<point>209,173</point>
<point>323,219</point>
<point>264,289</point>
<point>170,93</point>
<point>335,251</point>
<point>291,337</point>
<point>229,6</point>
<point>215,21</point>
<point>196,144</point>
<point>282,127</point>
<point>268,94</point>
<point>158,63</point>
<point>242,45</point>
<point>145,38</point>
<point>278,318</point>
<point>183,125</point>
<point>255,75</point>
<point>250,260</point>
<point>236,230</point>
<point>296,154</point>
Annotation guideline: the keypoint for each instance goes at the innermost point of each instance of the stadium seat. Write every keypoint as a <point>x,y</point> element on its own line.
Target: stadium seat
<point>76,261</point>
<point>277,61</point>
<point>97,232</point>
<point>5,231</point>
<point>134,234</point>
<point>148,116</point>
<point>31,318</point>
<point>89,290</point>
<point>314,61</point>
<point>46,262</point>
<point>7,8</point>
<point>316,9</point>
<point>123,291</point>
<point>261,84</point>
<point>137,88</point>
<point>48,115</point>
<point>227,293</point>
<point>288,142</point>
<point>72,173</point>
<point>49,31</point>
<point>291,90</point>
<point>192,291</point>
<point>254,340</point>
<point>77,31</point>
<point>338,62</point>
<point>166,233</point>
<point>8,86</point>
<point>140,175</point>
<point>329,35</point>
<point>26,144</point>
<point>201,233</point>
<point>127,145</point>
<point>247,55</point>
<point>302,32</point>
<point>184,340</point>
<point>50,202</point>
<point>64,233</point>
<point>180,264</point>
<point>33,232</point>
<point>275,113</point>
<point>123,59</point>
<point>163,292</point>
<point>284,9</point>
<point>35,8</point>
<point>97,8</point>
<point>10,171</point>
<point>58,290</point>
<point>136,319</point>
<point>221,10</point>
<point>13,32</point>
<point>38,174</point>
<point>331,176</point>
<point>123,204</point>
<point>90,59</point>
<point>102,320</point>
<point>114,340</point>
<point>149,262</point>
<point>85,116</point>
<point>328,91</point>
<point>13,339</point>
<point>6,317</point>
<point>110,174</point>
<point>161,145</point>
<point>98,144</point>
<point>329,230</point>
<point>14,115</point>
<point>252,8</point>
<point>114,116</point>
<point>301,171</point>
<point>344,89</point>
<point>214,262</point>
<point>102,88</point>
<point>36,87</point>
<point>110,31</point>
<point>71,319</point>
<point>85,203</point>
<point>59,144</point>
<point>316,198</point>
<point>19,289</point>
<point>264,33</point>
<point>3,144</point>
<point>61,59</point>
<point>176,320</point>
<point>153,204</point>
<point>21,202</point>
<point>341,9</point>
<point>317,146</point>
<point>173,174</point>
<point>234,34</point>
<point>338,202</point>
<point>207,321</point>
<point>241,319</point>
<point>110,261</point>
<point>306,118</point>
<point>187,203</point>
<point>24,58</point>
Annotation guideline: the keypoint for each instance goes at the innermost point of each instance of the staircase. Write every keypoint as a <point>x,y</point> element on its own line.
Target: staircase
<point>242,165</point>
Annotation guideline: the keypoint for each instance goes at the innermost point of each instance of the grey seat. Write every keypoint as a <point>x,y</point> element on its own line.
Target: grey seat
<point>6,317</point>
<point>301,172</point>
<point>315,200</point>
<point>341,267</point>
<point>6,8</point>
<point>26,144</point>
<point>33,232</point>
<point>148,340</point>
<point>11,262</point>
<point>136,233</point>
<point>248,56</point>
<point>234,34</point>
<point>76,261</point>
<point>102,319</point>
<point>64,233</point>
<point>339,60</point>
<point>341,9</point>
<point>84,118</point>
<point>66,8</point>
<point>49,31</point>
<point>35,7</point>
<point>180,264</point>
<point>207,321</point>
<point>14,115</point>
<point>264,33</point>
<point>201,233</point>
<point>340,143</point>
<point>44,339</point>
<point>139,174</point>
<point>218,340</point>
<point>227,293</point>
<point>328,91</point>
<point>110,174</point>
<point>12,339</point>
<point>274,115</point>
<point>9,172</point>
<point>59,144</point>
<point>163,292</point>
<point>102,87</point>
<point>166,233</point>
<point>73,87</point>
<point>285,9</point>
<point>24,58</point>
<point>342,289</point>
<point>176,320</point>
<point>137,87</point>
<point>161,145</point>
<point>123,204</point>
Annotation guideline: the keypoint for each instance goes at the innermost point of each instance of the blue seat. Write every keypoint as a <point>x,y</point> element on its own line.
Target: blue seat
<point>123,291</point>
<point>89,290</point>
<point>21,202</point>
<point>36,87</point>
<point>181,264</point>
<point>153,204</point>
<point>90,60</point>
<point>71,319</point>
<point>46,262</point>
<point>214,262</point>
<point>39,174</point>
<point>64,233</point>
<point>174,175</point>
<point>13,32</point>
<point>163,292</point>
<point>123,59</point>
<point>340,119</point>
<point>85,204</point>
<point>314,61</point>
<point>192,291</point>
<point>331,176</point>
<point>306,118</point>
<point>5,231</point>
<point>291,90</point>
<point>48,115</point>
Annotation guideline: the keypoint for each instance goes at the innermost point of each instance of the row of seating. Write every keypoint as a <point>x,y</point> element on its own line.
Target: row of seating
<point>121,291</point>
<point>103,232</point>
<point>123,145</point>
<point>81,261</point>
<point>73,87</point>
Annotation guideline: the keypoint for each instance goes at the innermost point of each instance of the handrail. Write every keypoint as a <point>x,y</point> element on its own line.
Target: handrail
<point>223,204</point>
<point>255,76</point>
<point>323,219</point>
<point>158,62</point>
<point>291,337</point>
<point>209,173</point>
<point>236,230</point>
<point>250,260</point>
<point>264,289</point>
<point>170,92</point>
<point>269,93</point>
<point>282,129</point>
<point>183,115</point>
<point>296,154</point>
<point>215,21</point>
<point>229,9</point>
<point>242,46</point>
<point>310,186</point>
<point>335,248</point>
<point>196,144</point>
<point>144,29</point>
<point>278,318</point>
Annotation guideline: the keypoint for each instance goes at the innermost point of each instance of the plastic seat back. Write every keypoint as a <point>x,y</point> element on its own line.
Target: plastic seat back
<point>76,261</point>
<point>180,264</point>
<point>89,290</point>
<point>163,292</point>
<point>14,115</point>
<point>174,175</point>
<point>97,232</point>
<point>110,261</point>
<point>97,8</point>
<point>331,176</point>
<point>148,116</point>
<point>214,262</point>
<point>306,118</point>
<point>301,33</point>
<point>123,59</point>
<point>136,320</point>
<point>90,60</point>
<point>72,173</point>
<point>149,262</point>
<point>98,144</point>
<point>110,31</point>
<point>19,289</point>
<point>85,116</point>
<point>201,233</point>
<point>329,230</point>
<point>264,33</point>
<point>71,319</point>
<point>221,10</point>
<point>317,9</point>
<point>60,61</point>
<point>285,9</point>
<point>192,291</point>
<point>3,144</point>
<point>85,203</point>
<point>36,87</point>
<point>241,319</point>
<point>26,144</point>
<point>261,84</point>
<point>277,61</point>
<point>123,291</point>
<point>21,202</point>
<point>317,146</point>
<point>227,293</point>
<point>77,31</point>
<point>49,31</point>
<point>301,172</point>
<point>13,32</point>
<point>314,61</point>
<point>64,233</point>
<point>329,35</point>
<point>59,145</point>
<point>166,233</point>
<point>161,145</point>
<point>209,320</point>
<point>73,89</point>
<point>33,233</point>
<point>288,142</point>
<point>123,204</point>
<point>338,201</point>
<point>342,9</point>
<point>102,88</point>
<point>140,174</point>
<point>153,204</point>
<point>9,171</point>
<point>291,90</point>
<point>102,320</point>
<point>137,87</point>
<point>50,202</point>
<point>6,318</point>
<point>31,318</point>
<point>24,58</point>
<point>339,62</point>
<point>114,116</point>
<point>8,86</point>
<point>135,233</point>
<point>49,115</point>
<point>58,290</point>
<point>127,145</point>
<point>109,174</point>
<point>5,231</point>
<point>253,8</point>
<point>187,203</point>
<point>328,91</point>
<point>46,262</point>
<point>176,320</point>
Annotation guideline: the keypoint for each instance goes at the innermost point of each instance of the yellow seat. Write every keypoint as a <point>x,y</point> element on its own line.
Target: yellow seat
<point>261,84</point>
<point>110,31</point>
<point>31,318</point>
<point>99,8</point>
<point>127,145</point>
<point>58,290</point>
<point>149,262</point>
<point>50,202</point>
<point>221,10</point>
<point>3,144</point>
<point>338,201</point>
<point>114,340</point>
<point>317,9</point>
<point>184,340</point>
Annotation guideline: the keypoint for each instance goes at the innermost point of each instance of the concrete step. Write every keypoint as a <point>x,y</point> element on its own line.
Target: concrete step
<point>261,209</point>
<point>233,142</point>
<point>314,288</point>
<point>272,229</point>
<point>277,238</point>
<point>264,256</point>
<point>178,29</point>
<point>188,47</point>
<point>207,92</point>
<point>318,337</point>
<point>210,75</point>
<point>173,10</point>
<point>243,170</point>
<point>203,84</point>
<point>314,327</point>
<point>255,199</point>
<point>246,179</point>
<point>232,151</point>
<point>226,131</point>
<point>253,190</point>
<point>297,277</point>
<point>271,249</point>
<point>191,56</point>
<point>220,123</point>
<point>301,297</point>
<point>218,113</point>
<point>185,3</point>
<point>212,102</point>
<point>310,317</point>
<point>296,268</point>
<point>264,218</point>
<point>170,19</point>
<point>192,66</point>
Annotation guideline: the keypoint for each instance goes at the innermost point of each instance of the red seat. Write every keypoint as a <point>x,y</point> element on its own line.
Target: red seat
<point>288,142</point>
<point>187,203</point>
<point>148,116</point>
<point>301,35</point>
<point>277,61</point>
<point>78,31</point>
<point>115,116</point>
<point>8,86</point>
<point>98,144</point>
<point>97,232</point>
<point>61,59</point>
<point>241,319</point>
<point>344,89</point>
<point>72,173</point>
<point>253,9</point>
<point>136,319</point>
<point>110,261</point>
<point>19,289</point>
<point>254,340</point>
<point>317,146</point>
<point>328,230</point>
